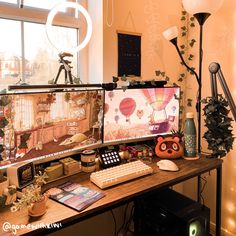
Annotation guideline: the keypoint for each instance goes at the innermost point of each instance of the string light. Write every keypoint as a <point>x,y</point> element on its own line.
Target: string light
<point>231,222</point>
<point>230,207</point>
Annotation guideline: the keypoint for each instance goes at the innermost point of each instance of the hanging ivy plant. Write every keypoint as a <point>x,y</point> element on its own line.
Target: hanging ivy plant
<point>219,129</point>
<point>4,101</point>
<point>186,23</point>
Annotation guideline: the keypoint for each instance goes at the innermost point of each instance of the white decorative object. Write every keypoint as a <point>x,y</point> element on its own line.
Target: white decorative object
<point>202,6</point>
<point>49,26</point>
<point>171,33</point>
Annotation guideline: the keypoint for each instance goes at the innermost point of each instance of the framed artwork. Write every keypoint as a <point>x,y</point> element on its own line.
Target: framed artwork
<point>129,53</point>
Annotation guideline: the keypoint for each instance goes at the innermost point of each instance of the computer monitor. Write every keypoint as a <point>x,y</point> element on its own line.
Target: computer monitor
<point>40,125</point>
<point>142,113</point>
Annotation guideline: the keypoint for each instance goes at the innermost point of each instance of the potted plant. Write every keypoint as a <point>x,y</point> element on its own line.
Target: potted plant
<point>219,129</point>
<point>4,182</point>
<point>33,198</point>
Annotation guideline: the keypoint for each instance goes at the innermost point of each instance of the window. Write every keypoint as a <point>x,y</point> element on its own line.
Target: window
<point>24,111</point>
<point>59,109</point>
<point>44,4</point>
<point>9,1</point>
<point>25,52</point>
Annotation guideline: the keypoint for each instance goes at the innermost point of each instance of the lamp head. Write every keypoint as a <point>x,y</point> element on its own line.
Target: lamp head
<point>202,6</point>
<point>171,34</point>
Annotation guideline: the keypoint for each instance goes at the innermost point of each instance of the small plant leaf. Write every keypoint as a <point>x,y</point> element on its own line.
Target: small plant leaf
<point>123,78</point>
<point>115,79</point>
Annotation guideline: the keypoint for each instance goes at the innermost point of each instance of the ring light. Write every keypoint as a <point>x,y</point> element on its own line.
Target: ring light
<point>51,16</point>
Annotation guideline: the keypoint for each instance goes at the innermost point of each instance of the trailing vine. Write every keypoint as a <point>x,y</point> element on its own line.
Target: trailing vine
<point>187,44</point>
<point>186,23</point>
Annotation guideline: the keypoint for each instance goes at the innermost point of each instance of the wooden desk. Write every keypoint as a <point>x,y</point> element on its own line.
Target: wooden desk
<point>118,195</point>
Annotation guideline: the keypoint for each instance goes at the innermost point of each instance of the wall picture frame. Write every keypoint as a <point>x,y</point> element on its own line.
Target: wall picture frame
<point>129,53</point>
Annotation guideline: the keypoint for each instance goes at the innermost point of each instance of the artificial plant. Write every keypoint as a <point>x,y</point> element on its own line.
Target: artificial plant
<point>219,134</point>
<point>187,43</point>
<point>4,101</point>
<point>31,193</point>
<point>2,177</point>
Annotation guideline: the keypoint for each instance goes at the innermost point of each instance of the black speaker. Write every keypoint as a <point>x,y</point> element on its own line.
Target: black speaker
<point>168,213</point>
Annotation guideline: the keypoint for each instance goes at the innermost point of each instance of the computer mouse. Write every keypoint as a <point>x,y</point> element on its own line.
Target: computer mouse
<point>167,165</point>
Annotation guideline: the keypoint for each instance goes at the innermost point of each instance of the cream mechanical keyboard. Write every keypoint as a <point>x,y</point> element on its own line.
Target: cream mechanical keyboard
<point>119,174</point>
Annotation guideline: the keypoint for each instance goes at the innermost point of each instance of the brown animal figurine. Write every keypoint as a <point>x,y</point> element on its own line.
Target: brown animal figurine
<point>169,147</point>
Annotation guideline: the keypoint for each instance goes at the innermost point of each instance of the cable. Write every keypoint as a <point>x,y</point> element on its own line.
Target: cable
<point>114,219</point>
<point>124,221</point>
<point>112,13</point>
<point>129,221</point>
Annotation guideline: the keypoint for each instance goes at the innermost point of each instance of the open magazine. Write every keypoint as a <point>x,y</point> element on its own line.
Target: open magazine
<point>75,195</point>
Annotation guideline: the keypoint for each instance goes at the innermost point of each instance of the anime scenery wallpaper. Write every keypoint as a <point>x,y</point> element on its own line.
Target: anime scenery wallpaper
<point>39,125</point>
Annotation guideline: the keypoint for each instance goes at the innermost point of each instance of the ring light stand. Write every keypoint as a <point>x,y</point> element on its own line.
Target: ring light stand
<point>65,52</point>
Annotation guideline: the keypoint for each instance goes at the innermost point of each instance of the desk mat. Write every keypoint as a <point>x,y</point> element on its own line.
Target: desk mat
<point>74,195</point>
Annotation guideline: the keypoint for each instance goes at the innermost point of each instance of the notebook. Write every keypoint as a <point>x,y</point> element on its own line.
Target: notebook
<point>74,195</point>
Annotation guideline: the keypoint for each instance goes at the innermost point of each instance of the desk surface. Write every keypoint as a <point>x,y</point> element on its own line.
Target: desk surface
<point>58,213</point>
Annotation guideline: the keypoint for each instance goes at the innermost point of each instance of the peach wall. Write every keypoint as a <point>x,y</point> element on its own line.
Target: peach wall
<point>220,45</point>
<point>150,18</point>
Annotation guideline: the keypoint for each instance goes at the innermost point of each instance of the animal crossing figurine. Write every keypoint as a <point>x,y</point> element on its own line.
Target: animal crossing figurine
<point>169,147</point>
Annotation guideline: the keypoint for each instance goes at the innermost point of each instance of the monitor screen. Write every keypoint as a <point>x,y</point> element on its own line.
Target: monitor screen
<point>49,124</point>
<point>140,113</point>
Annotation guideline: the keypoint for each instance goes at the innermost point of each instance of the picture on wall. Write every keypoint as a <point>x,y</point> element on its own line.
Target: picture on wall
<point>129,54</point>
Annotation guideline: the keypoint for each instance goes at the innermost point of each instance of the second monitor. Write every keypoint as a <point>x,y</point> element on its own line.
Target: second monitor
<point>140,113</point>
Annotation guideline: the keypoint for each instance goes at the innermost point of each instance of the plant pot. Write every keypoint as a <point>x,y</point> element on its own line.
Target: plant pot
<point>38,208</point>
<point>4,185</point>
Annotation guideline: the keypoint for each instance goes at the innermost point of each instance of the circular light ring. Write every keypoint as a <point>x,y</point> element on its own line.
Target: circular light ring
<point>53,13</point>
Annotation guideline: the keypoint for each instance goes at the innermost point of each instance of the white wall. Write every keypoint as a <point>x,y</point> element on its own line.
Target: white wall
<point>95,50</point>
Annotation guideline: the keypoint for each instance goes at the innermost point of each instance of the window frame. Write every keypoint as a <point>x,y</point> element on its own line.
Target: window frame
<point>37,15</point>
<point>11,11</point>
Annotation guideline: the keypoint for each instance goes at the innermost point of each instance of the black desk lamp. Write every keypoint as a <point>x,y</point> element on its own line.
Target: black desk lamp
<point>201,9</point>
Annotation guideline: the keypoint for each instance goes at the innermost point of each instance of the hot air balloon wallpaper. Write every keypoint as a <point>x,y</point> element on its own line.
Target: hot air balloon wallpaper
<point>127,107</point>
<point>158,98</point>
<point>140,113</point>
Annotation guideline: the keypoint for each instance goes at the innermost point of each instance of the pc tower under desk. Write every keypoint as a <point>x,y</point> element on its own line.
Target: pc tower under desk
<point>168,213</point>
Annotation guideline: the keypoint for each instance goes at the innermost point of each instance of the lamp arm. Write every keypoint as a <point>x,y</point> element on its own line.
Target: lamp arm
<point>214,69</point>
<point>174,41</point>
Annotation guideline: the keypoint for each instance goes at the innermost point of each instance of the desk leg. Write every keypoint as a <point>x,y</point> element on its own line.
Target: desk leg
<point>199,187</point>
<point>218,199</point>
